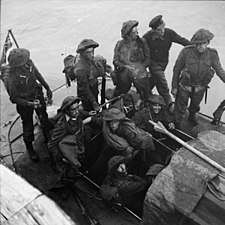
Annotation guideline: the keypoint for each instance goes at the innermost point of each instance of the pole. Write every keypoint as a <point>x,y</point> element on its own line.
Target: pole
<point>159,127</point>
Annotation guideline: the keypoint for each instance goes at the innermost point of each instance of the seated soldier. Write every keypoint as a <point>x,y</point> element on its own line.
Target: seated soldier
<point>66,139</point>
<point>156,111</point>
<point>120,186</point>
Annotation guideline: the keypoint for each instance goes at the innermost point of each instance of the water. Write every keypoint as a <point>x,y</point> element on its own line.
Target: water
<point>52,29</point>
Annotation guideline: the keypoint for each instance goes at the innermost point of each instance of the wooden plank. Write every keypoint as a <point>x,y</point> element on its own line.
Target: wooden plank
<point>15,192</point>
<point>41,211</point>
<point>46,212</point>
<point>23,217</point>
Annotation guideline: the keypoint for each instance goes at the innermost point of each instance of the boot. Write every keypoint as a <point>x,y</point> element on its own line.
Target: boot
<point>192,119</point>
<point>30,150</point>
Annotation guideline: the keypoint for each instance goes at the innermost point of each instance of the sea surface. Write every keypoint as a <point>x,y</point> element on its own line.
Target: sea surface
<point>52,29</point>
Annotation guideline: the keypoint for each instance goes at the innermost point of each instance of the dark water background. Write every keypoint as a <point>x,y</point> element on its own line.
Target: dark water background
<point>52,29</point>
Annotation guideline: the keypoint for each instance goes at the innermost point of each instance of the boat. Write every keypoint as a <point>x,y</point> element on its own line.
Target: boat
<point>85,205</point>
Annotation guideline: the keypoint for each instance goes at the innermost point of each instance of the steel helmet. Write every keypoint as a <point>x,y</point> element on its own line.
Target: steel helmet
<point>18,57</point>
<point>157,99</point>
<point>201,36</point>
<point>113,114</point>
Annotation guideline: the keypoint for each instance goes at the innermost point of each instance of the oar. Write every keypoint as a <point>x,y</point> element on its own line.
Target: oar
<point>160,128</point>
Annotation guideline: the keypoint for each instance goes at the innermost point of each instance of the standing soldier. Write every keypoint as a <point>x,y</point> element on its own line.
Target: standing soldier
<point>159,40</point>
<point>87,83</point>
<point>131,57</point>
<point>25,90</point>
<point>193,71</point>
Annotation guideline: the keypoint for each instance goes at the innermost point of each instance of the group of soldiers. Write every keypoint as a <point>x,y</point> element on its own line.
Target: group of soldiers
<point>137,61</point>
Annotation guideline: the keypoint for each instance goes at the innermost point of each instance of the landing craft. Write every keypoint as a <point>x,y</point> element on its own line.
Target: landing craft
<point>189,190</point>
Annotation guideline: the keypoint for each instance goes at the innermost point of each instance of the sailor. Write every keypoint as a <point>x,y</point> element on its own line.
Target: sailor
<point>25,90</point>
<point>85,70</point>
<point>192,73</point>
<point>218,113</point>
<point>131,58</point>
<point>159,40</point>
<point>121,186</point>
<point>67,137</point>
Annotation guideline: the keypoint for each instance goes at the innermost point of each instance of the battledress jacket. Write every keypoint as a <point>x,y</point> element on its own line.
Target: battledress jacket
<point>196,67</point>
<point>134,53</point>
<point>25,84</point>
<point>159,46</point>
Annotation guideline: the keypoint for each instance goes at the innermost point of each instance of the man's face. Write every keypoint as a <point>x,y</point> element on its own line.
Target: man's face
<point>114,124</point>
<point>73,110</point>
<point>201,47</point>
<point>160,29</point>
<point>122,168</point>
<point>156,108</point>
<point>89,54</point>
<point>134,33</point>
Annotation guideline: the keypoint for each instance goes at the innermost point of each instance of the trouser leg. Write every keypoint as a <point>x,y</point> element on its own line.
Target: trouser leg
<point>219,111</point>
<point>160,81</point>
<point>196,98</point>
<point>124,83</point>
<point>142,87</point>
<point>26,114</point>
<point>181,103</point>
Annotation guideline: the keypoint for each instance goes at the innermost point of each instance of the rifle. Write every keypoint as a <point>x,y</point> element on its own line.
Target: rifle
<point>84,211</point>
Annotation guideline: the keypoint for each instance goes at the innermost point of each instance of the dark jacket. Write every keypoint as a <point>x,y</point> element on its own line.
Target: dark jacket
<point>192,68</point>
<point>159,46</point>
<point>136,137</point>
<point>25,84</point>
<point>134,54</point>
<point>119,187</point>
<point>62,127</point>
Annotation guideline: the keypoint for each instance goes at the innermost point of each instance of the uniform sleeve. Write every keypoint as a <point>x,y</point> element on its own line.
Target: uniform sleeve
<point>146,52</point>
<point>83,86</point>
<point>179,65</point>
<point>178,39</point>
<point>40,78</point>
<point>118,64</point>
<point>217,65</point>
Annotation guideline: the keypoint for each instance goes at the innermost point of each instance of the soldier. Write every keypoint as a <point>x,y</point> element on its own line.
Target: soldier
<point>25,90</point>
<point>85,70</point>
<point>193,71</point>
<point>131,57</point>
<point>218,113</point>
<point>159,40</point>
<point>121,186</point>
<point>67,134</point>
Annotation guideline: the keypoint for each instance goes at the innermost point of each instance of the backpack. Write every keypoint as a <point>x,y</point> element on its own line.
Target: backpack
<point>69,64</point>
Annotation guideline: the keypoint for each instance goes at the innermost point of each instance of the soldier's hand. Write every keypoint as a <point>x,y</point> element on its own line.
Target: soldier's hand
<point>174,92</point>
